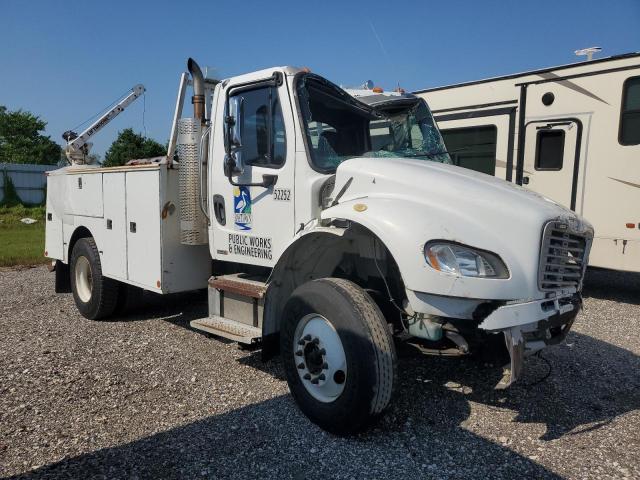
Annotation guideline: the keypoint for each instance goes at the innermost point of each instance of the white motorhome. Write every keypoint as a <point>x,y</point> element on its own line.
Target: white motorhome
<point>580,127</point>
<point>321,228</point>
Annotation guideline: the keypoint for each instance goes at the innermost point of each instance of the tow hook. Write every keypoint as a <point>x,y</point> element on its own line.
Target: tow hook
<point>512,371</point>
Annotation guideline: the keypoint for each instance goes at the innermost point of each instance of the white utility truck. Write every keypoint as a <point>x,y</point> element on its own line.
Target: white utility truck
<point>323,228</point>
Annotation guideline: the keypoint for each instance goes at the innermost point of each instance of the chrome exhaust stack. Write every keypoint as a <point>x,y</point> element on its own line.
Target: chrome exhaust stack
<point>198,90</point>
<point>189,132</point>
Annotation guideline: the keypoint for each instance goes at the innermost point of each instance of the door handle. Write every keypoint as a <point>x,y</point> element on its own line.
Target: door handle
<point>219,210</point>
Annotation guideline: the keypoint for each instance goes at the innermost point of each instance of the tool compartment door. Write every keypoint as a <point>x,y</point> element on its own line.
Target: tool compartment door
<point>84,194</point>
<point>53,238</point>
<point>144,261</point>
<point>114,244</point>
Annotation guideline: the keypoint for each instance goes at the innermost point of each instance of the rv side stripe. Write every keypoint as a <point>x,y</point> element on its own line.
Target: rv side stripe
<point>578,75</point>
<point>472,107</point>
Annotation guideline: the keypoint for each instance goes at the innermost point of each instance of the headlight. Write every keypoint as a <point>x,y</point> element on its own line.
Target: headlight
<point>457,259</point>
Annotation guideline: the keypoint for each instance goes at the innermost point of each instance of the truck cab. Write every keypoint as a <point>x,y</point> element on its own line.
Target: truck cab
<point>333,229</point>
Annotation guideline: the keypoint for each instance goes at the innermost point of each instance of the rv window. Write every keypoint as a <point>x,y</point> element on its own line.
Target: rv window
<point>630,115</point>
<point>263,137</point>
<point>473,148</point>
<point>549,149</point>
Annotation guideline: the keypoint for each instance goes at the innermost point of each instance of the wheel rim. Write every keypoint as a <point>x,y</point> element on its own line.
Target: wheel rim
<point>84,279</point>
<point>319,358</point>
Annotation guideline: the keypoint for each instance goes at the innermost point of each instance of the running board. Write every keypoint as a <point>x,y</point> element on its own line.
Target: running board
<point>231,329</point>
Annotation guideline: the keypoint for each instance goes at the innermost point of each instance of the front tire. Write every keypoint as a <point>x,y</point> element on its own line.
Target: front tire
<point>96,296</point>
<point>338,355</point>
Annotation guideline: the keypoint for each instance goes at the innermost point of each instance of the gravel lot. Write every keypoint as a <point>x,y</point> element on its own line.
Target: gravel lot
<point>146,397</point>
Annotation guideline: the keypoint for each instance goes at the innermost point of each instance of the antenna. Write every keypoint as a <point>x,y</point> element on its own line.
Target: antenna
<point>588,52</point>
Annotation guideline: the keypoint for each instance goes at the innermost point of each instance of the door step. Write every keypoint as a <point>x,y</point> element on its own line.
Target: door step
<point>239,284</point>
<point>227,328</point>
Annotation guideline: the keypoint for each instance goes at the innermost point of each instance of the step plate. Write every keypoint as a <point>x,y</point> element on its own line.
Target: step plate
<point>227,328</point>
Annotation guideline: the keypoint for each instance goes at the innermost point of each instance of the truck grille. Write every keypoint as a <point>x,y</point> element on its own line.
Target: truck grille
<point>563,257</point>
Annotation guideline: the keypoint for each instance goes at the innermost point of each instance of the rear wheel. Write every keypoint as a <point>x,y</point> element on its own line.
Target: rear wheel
<point>338,354</point>
<point>95,296</point>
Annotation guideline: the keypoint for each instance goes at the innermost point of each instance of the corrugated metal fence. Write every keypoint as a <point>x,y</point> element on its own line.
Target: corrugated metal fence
<point>29,180</point>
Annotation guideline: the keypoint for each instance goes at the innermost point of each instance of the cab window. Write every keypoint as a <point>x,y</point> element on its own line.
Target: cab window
<point>262,126</point>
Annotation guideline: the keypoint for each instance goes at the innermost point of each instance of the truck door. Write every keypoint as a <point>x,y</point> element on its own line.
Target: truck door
<point>551,160</point>
<point>254,224</point>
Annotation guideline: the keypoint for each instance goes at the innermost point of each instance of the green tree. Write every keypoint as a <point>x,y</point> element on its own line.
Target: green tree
<point>130,145</point>
<point>21,140</point>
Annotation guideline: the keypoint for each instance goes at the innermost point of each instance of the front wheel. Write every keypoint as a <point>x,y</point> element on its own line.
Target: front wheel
<point>338,354</point>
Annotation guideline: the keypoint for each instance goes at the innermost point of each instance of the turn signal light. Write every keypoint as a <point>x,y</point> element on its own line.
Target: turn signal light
<point>377,90</point>
<point>631,225</point>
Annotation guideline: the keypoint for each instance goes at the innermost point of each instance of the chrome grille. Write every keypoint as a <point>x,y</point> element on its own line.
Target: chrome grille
<point>563,257</point>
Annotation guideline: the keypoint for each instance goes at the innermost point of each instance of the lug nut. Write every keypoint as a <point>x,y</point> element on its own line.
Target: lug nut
<point>307,376</point>
<point>325,365</point>
<point>315,380</point>
<point>322,351</point>
<point>301,342</point>
<point>321,377</point>
<point>316,340</point>
<point>299,353</point>
<point>307,337</point>
<point>301,366</point>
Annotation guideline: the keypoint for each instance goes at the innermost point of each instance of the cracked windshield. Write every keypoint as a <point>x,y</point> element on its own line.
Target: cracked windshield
<point>339,127</point>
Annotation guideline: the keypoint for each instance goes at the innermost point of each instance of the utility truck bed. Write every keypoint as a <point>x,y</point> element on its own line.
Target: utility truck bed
<point>132,213</point>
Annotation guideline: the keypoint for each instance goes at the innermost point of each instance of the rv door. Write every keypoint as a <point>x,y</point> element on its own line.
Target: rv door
<point>551,160</point>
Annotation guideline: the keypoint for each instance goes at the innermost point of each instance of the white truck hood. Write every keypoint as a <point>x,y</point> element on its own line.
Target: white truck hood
<point>409,202</point>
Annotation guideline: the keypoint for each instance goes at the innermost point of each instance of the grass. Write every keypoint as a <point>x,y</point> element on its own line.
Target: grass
<point>21,244</point>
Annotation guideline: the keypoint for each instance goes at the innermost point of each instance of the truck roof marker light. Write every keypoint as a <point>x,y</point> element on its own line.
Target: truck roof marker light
<point>46,254</point>
<point>631,225</point>
<point>400,90</point>
<point>377,90</point>
<point>306,69</point>
<point>158,284</point>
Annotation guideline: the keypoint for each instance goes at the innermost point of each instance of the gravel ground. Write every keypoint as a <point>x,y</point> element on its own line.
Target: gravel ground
<point>147,397</point>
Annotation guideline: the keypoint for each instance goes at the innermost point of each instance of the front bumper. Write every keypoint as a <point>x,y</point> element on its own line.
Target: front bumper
<point>522,339</point>
<point>528,326</point>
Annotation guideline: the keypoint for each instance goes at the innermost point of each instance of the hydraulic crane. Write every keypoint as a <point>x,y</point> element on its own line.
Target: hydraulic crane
<point>78,147</point>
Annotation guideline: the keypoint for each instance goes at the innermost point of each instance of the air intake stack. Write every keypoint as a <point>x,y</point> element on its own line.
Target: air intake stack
<point>193,225</point>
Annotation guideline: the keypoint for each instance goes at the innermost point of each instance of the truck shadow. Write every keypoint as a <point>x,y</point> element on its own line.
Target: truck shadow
<point>272,439</point>
<point>178,308</point>
<point>589,383</point>
<point>612,285</point>
<point>422,434</point>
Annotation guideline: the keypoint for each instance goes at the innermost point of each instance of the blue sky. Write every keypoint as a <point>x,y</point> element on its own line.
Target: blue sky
<point>67,60</point>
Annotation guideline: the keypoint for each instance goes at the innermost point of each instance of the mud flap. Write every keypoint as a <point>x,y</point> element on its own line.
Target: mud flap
<point>513,371</point>
<point>63,281</point>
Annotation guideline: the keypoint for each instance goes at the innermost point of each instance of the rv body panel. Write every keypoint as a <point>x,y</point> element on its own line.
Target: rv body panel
<point>573,154</point>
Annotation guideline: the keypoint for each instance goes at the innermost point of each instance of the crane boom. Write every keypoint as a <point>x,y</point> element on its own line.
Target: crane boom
<point>78,146</point>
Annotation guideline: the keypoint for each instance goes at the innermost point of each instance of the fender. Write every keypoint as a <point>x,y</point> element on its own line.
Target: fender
<point>405,224</point>
<point>289,272</point>
<point>294,268</point>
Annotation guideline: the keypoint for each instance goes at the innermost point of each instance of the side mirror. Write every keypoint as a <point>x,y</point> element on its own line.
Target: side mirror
<point>236,105</point>
<point>233,161</point>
